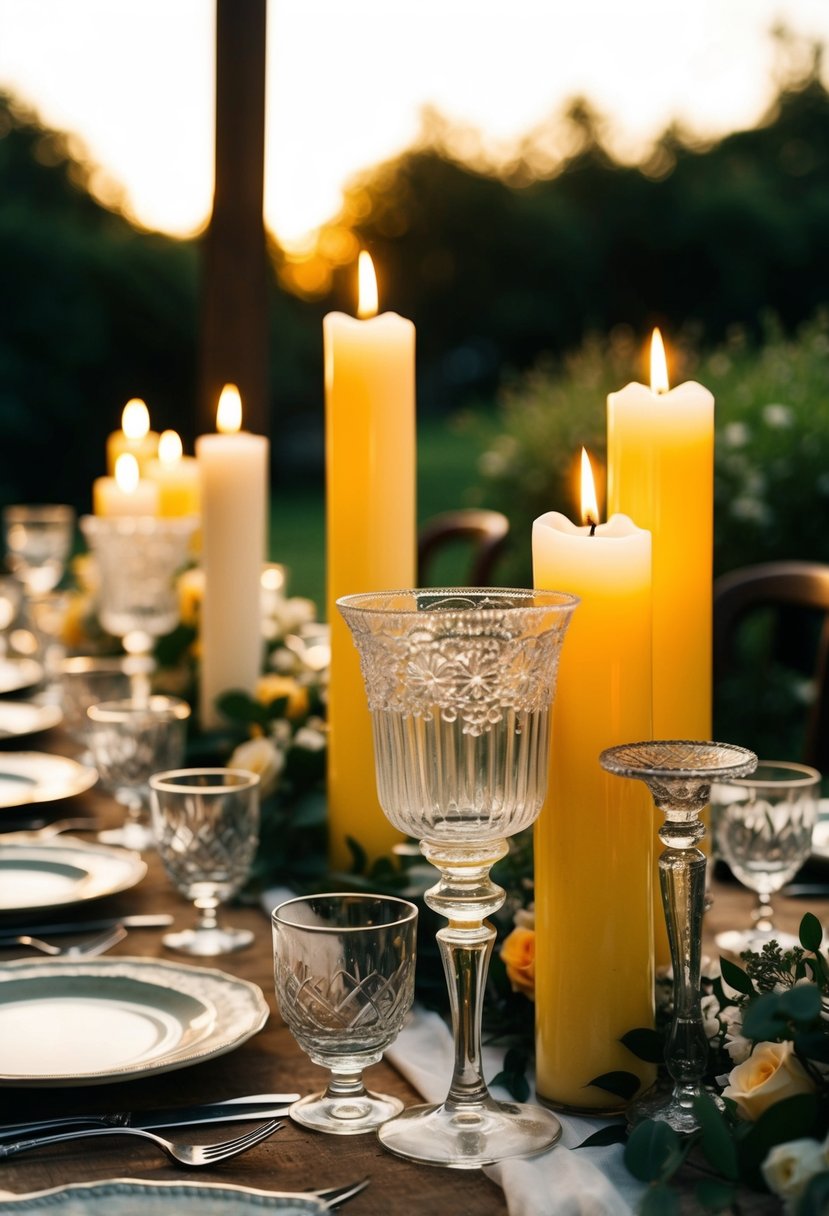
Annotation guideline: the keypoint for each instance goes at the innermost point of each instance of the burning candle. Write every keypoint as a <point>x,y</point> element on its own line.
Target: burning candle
<point>233,467</point>
<point>177,478</point>
<point>593,839</point>
<point>124,493</point>
<point>371,534</point>
<point>134,437</point>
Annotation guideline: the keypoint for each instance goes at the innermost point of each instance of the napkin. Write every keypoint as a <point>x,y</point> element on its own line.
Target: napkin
<point>565,1181</point>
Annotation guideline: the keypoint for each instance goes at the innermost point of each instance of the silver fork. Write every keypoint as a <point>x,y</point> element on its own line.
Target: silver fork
<point>88,949</point>
<point>186,1154</point>
<point>333,1196</point>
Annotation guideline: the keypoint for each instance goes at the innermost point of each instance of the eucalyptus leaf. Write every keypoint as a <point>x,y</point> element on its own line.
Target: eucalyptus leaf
<point>622,1084</point>
<point>791,1119</point>
<point>653,1152</point>
<point>614,1133</point>
<point>811,932</point>
<point>765,1018</point>
<point>515,1083</point>
<point>802,1004</point>
<point>646,1044</point>
<point>815,1198</point>
<point>736,978</point>
<point>716,1142</point>
<point>715,1196</point>
<point>660,1201</point>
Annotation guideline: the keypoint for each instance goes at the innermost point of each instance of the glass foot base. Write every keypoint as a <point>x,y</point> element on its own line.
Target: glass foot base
<point>345,1116</point>
<point>470,1138</point>
<point>735,941</point>
<point>208,942</point>
<point>662,1105</point>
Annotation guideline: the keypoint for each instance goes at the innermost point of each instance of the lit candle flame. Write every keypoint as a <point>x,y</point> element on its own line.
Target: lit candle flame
<point>367,295</point>
<point>135,419</point>
<point>589,503</point>
<point>126,473</point>
<point>169,448</point>
<point>229,413</point>
<point>659,365</point>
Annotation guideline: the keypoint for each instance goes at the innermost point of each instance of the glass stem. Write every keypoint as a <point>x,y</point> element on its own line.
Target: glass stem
<point>207,908</point>
<point>343,1086</point>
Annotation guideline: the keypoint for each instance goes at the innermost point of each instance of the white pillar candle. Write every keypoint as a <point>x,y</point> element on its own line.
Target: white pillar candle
<point>233,467</point>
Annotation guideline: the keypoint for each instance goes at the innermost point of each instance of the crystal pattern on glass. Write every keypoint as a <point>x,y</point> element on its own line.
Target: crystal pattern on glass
<point>460,682</point>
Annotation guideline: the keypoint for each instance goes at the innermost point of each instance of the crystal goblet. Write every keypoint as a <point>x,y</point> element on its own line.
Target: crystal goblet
<point>679,774</point>
<point>38,543</point>
<point>86,680</point>
<point>460,683</point>
<point>128,741</point>
<point>344,969</point>
<point>763,828</point>
<point>206,827</point>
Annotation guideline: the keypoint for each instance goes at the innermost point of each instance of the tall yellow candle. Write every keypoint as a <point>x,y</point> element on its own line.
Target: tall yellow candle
<point>177,478</point>
<point>660,446</point>
<point>134,437</point>
<point>594,972</point>
<point>371,535</point>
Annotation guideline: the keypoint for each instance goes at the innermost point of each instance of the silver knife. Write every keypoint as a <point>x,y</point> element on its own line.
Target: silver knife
<point>256,1106</point>
<point>150,921</point>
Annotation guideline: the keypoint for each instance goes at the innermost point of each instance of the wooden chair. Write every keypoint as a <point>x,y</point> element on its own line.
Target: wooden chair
<point>485,532</point>
<point>796,595</point>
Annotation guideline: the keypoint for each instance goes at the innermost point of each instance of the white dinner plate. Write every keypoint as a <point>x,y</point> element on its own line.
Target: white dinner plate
<point>41,777</point>
<point>63,871</point>
<point>26,717</point>
<point>19,673</point>
<point>129,1197</point>
<point>99,1020</point>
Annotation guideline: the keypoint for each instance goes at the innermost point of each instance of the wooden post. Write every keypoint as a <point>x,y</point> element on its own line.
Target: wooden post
<point>233,339</point>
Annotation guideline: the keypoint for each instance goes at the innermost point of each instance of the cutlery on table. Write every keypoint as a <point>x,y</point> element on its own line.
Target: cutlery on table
<point>193,1155</point>
<point>148,921</point>
<point>232,1110</point>
<point>333,1196</point>
<point>88,949</point>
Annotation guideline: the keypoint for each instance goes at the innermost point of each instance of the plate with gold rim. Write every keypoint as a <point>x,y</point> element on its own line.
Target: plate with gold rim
<point>36,875</point>
<point>27,777</point>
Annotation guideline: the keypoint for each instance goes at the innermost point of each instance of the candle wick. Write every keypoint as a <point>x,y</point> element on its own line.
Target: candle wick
<point>592,528</point>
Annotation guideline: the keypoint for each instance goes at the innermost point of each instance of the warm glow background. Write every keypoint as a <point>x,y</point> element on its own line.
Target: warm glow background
<point>348,79</point>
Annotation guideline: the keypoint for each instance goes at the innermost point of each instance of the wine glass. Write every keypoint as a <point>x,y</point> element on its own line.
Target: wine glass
<point>460,683</point>
<point>138,558</point>
<point>38,544</point>
<point>86,680</point>
<point>344,968</point>
<point>763,828</point>
<point>679,774</point>
<point>206,826</point>
<point>128,741</point>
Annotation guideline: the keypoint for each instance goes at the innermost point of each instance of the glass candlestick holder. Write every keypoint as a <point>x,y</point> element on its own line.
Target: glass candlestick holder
<point>679,774</point>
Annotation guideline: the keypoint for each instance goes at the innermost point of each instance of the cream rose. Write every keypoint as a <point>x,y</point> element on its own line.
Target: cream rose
<point>771,1073</point>
<point>259,756</point>
<point>788,1167</point>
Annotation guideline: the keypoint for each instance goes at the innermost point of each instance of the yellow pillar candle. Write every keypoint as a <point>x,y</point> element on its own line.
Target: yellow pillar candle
<point>134,437</point>
<point>177,478</point>
<point>124,493</point>
<point>233,465</point>
<point>594,974</point>
<point>371,535</point>
<point>660,447</point>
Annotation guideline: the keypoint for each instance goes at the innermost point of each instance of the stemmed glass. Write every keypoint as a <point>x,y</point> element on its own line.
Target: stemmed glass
<point>763,828</point>
<point>206,827</point>
<point>679,774</point>
<point>138,559</point>
<point>38,544</point>
<point>128,741</point>
<point>460,683</point>
<point>344,969</point>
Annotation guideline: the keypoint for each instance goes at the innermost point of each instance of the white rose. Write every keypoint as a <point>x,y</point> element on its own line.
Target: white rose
<point>788,1167</point>
<point>735,1043</point>
<point>710,1008</point>
<point>771,1073</point>
<point>259,756</point>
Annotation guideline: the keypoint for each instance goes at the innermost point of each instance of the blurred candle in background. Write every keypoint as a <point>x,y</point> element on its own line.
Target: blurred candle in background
<point>233,468</point>
<point>593,839</point>
<point>134,437</point>
<point>370,535</point>
<point>660,445</point>
<point>124,493</point>
<point>177,478</point>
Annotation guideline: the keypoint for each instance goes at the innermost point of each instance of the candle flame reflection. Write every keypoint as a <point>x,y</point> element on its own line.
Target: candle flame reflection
<point>229,413</point>
<point>135,419</point>
<point>126,473</point>
<point>367,303</point>
<point>659,365</point>
<point>589,503</point>
<point>169,448</point>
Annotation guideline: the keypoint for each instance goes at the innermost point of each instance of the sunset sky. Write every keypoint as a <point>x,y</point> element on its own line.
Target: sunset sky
<point>347,81</point>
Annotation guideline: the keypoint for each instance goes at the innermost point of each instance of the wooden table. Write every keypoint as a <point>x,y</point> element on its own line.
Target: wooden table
<point>293,1159</point>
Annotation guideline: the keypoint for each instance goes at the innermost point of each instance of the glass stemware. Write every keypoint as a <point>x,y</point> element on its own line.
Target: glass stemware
<point>679,774</point>
<point>38,544</point>
<point>344,968</point>
<point>460,682</point>
<point>763,828</point>
<point>206,827</point>
<point>129,741</point>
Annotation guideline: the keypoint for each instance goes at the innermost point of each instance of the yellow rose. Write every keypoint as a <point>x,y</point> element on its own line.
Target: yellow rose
<point>772,1072</point>
<point>518,954</point>
<point>190,595</point>
<point>272,687</point>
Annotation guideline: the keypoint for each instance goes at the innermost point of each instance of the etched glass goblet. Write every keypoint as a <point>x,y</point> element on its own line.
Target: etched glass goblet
<point>206,827</point>
<point>679,774</point>
<point>460,684</point>
<point>344,968</point>
<point>763,828</point>
<point>38,544</point>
